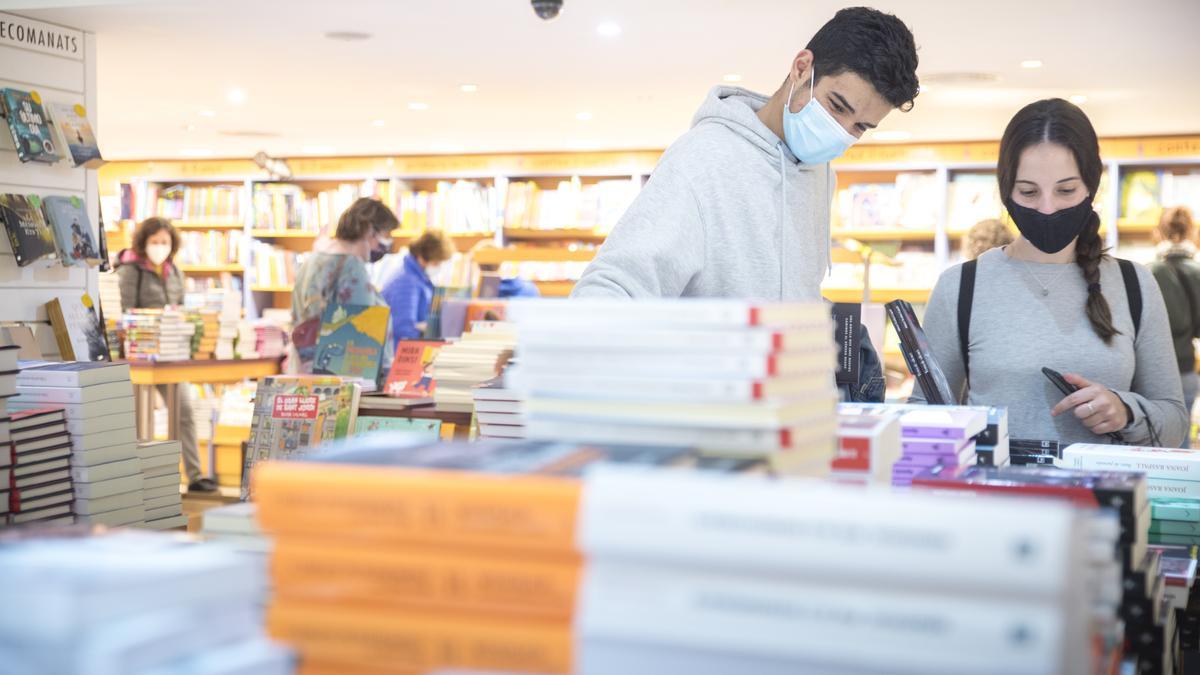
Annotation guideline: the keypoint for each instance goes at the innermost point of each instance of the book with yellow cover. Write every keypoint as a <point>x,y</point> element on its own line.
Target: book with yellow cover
<point>414,579</point>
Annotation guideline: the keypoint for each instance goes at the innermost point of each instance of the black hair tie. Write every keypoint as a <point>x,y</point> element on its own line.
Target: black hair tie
<point>1093,288</point>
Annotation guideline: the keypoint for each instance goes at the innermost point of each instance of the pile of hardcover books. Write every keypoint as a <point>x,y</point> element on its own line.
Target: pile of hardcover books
<point>742,378</point>
<point>131,603</point>
<point>524,556</point>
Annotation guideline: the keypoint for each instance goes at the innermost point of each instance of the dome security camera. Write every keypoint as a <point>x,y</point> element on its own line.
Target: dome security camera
<point>547,9</point>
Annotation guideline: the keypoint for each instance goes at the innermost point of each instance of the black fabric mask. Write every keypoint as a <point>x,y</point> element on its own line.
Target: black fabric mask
<point>378,253</point>
<point>1050,233</point>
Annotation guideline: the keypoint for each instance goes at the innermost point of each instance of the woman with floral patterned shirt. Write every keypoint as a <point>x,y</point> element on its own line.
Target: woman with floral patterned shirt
<point>337,273</point>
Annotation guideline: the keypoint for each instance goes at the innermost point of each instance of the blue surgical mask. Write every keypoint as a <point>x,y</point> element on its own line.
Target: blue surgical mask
<point>812,134</point>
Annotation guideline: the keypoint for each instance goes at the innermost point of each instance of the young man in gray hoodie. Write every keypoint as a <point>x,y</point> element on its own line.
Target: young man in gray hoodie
<point>739,206</point>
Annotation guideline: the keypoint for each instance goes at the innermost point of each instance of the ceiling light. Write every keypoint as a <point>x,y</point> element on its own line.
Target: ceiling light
<point>377,123</point>
<point>468,88</point>
<point>208,113</point>
<point>1078,99</point>
<point>196,152</point>
<point>732,77</point>
<point>417,105</point>
<point>347,35</point>
<point>317,150</point>
<point>236,96</point>
<point>391,161</point>
<point>1031,63</point>
<point>583,116</point>
<point>893,135</point>
<point>608,29</point>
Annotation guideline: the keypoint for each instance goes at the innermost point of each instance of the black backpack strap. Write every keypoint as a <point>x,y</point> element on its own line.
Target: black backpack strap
<point>1133,292</point>
<point>966,298</point>
<point>137,296</point>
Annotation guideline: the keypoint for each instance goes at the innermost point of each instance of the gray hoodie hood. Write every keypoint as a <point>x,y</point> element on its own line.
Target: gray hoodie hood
<point>728,212</point>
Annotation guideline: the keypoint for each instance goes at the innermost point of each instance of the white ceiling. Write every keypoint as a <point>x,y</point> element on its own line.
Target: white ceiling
<point>163,61</point>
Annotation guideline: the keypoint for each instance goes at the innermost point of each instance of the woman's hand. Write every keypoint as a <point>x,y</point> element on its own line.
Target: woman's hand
<point>1098,408</point>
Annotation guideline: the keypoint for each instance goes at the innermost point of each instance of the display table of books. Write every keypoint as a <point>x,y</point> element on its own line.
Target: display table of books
<point>384,406</point>
<point>146,375</point>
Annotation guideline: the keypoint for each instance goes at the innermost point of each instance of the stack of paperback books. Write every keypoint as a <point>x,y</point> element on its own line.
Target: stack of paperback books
<point>159,462</point>
<point>235,526</point>
<point>1178,569</point>
<point>868,443</point>
<point>157,335</point>
<point>208,328</point>
<point>937,436</point>
<point>269,340</point>
<point>1172,480</point>
<point>92,403</point>
<point>39,485</point>
<point>1127,604</point>
<point>130,602</point>
<point>475,358</point>
<point>246,346</point>
<point>498,410</point>
<point>744,378</point>
<point>498,556</point>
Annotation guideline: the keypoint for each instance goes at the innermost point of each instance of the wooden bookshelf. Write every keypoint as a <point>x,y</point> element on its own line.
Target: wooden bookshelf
<point>211,269</point>
<point>1134,227</point>
<point>215,225</point>
<point>283,234</point>
<point>533,254</point>
<point>555,289</point>
<point>886,234</point>
<point>917,296</point>
<point>283,288</point>
<point>517,234</point>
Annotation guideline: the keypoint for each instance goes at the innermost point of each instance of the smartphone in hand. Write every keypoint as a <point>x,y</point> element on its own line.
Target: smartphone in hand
<point>1067,389</point>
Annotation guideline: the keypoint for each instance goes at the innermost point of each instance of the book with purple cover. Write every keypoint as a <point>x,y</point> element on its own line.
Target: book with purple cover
<point>934,422</point>
<point>923,446</point>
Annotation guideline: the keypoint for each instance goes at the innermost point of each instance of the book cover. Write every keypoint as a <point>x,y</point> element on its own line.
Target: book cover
<point>350,342</point>
<point>30,124</point>
<point>27,231</point>
<point>1155,463</point>
<point>67,217</point>
<point>294,414</point>
<point>77,328</point>
<point>847,317</point>
<point>426,578</point>
<point>429,428</point>
<point>411,375</point>
<point>76,132</point>
<point>918,355</point>
<point>71,373</point>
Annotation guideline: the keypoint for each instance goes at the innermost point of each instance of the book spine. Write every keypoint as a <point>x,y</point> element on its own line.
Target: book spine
<point>64,395</point>
<point>440,580</point>
<point>1182,468</point>
<point>425,642</point>
<point>909,538</point>
<point>403,506</point>
<point>890,630</point>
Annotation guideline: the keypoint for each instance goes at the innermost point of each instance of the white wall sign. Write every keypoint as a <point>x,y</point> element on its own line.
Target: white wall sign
<point>39,36</point>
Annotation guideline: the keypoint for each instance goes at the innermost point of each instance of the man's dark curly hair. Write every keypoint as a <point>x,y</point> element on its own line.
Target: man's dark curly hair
<point>876,46</point>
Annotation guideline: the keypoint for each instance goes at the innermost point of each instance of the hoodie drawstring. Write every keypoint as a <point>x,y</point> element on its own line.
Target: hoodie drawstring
<point>782,211</point>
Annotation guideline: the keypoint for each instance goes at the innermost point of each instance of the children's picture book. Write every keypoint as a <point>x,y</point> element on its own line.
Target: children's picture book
<point>68,219</point>
<point>30,126</point>
<point>431,429</point>
<point>77,328</point>
<point>351,340</point>
<point>77,134</point>
<point>294,414</point>
<point>28,233</point>
<point>411,375</point>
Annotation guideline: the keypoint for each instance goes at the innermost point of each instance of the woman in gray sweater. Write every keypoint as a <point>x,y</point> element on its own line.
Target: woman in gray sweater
<point>151,280</point>
<point>1053,298</point>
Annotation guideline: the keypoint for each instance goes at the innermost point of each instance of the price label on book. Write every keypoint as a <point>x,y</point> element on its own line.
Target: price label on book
<point>295,407</point>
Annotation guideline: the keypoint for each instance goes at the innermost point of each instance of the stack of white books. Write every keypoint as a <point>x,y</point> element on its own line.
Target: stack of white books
<point>246,346</point>
<point>498,410</point>
<point>132,603</point>
<point>732,377</point>
<point>461,366</point>
<point>175,336</point>
<point>159,464</point>
<point>236,526</point>
<point>93,402</point>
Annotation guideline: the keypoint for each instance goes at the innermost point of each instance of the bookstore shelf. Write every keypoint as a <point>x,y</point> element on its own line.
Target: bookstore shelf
<point>200,225</point>
<point>559,234</point>
<point>533,254</point>
<point>886,234</point>
<point>211,269</point>
<point>283,288</point>
<point>283,234</point>
<point>555,289</point>
<point>878,295</point>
